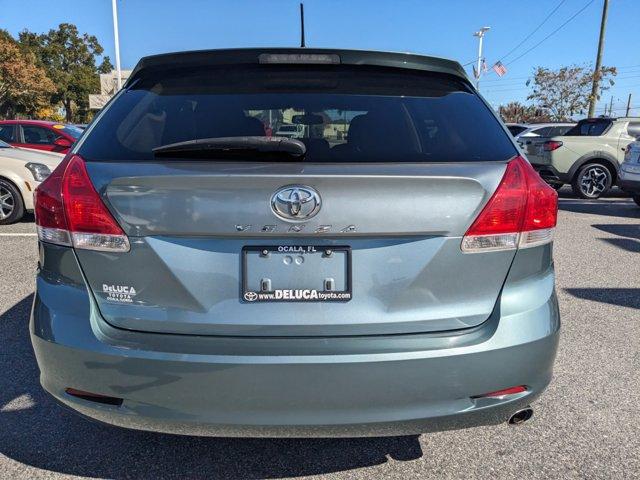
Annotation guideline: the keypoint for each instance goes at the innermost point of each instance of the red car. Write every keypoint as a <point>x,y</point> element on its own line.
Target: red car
<point>39,134</point>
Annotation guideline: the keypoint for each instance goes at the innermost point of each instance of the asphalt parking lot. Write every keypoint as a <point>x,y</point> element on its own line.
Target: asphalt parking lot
<point>586,425</point>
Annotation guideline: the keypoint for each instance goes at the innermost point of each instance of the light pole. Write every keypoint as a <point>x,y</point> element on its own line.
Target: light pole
<point>114,9</point>
<point>596,71</point>
<point>480,34</point>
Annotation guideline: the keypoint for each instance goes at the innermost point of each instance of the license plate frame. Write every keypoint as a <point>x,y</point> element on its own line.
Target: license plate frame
<point>304,295</point>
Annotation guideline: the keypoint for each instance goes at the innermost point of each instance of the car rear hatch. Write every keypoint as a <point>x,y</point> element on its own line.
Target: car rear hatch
<point>361,235</point>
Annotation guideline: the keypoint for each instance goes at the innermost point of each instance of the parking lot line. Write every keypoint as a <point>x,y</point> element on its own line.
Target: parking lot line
<point>18,234</point>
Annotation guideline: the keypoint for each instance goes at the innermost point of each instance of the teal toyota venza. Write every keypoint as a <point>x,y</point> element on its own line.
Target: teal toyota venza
<point>386,269</point>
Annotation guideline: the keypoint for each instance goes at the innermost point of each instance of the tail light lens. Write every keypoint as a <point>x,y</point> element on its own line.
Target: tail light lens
<point>69,211</point>
<point>551,145</point>
<point>521,213</point>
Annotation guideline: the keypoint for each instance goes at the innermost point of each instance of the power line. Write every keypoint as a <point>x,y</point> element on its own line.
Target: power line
<point>628,66</point>
<point>502,81</point>
<point>552,33</point>
<point>518,83</point>
<point>534,30</point>
<point>512,86</point>
<point>509,79</point>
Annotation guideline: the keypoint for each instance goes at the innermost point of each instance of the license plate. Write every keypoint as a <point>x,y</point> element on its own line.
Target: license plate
<point>296,273</point>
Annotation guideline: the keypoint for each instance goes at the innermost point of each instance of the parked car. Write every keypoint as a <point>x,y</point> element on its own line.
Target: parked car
<point>291,131</point>
<point>516,128</point>
<point>21,171</point>
<point>629,176</point>
<point>538,133</point>
<point>39,135</point>
<point>587,156</point>
<point>199,277</point>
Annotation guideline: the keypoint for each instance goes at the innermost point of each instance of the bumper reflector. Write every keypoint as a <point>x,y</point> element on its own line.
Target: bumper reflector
<point>94,397</point>
<point>503,393</point>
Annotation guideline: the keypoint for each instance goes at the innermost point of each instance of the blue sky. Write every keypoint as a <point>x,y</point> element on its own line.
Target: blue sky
<point>437,27</point>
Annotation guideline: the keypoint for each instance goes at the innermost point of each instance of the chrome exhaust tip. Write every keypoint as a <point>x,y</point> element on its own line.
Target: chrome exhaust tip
<point>521,416</point>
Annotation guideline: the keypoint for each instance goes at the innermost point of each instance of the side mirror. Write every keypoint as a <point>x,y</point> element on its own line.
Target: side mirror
<point>62,142</point>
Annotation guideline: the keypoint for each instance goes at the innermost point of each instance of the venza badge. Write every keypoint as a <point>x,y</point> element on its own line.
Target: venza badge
<point>296,202</point>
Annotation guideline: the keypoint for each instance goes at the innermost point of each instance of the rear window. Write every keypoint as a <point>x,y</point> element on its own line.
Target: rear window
<point>516,129</point>
<point>589,128</point>
<point>559,130</point>
<point>342,114</point>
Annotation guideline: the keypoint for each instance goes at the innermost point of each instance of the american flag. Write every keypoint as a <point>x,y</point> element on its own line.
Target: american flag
<point>499,68</point>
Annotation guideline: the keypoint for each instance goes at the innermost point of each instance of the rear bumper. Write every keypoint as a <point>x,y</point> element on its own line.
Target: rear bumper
<point>550,174</point>
<point>302,398</point>
<point>356,386</point>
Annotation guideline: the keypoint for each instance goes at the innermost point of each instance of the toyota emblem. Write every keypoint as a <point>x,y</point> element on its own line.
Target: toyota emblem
<point>296,203</point>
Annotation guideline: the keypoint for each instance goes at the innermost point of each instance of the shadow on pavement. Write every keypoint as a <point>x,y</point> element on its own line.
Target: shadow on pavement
<point>629,235</point>
<point>35,431</point>
<point>603,206</point>
<point>624,297</point>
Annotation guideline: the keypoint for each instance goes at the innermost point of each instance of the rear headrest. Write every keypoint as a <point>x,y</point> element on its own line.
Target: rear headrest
<point>381,132</point>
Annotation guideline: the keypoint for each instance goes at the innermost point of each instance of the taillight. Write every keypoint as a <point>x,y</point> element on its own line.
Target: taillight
<point>521,213</point>
<point>69,211</point>
<point>551,145</point>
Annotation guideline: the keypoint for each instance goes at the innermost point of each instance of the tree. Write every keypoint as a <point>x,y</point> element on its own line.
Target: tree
<point>566,92</point>
<point>516,112</point>
<point>24,87</point>
<point>70,61</point>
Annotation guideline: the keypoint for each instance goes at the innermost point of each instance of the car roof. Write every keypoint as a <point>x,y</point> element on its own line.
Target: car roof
<point>32,122</point>
<point>238,56</point>
<point>536,126</point>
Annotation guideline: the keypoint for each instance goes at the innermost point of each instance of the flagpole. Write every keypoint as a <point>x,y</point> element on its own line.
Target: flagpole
<point>480,34</point>
<point>114,10</point>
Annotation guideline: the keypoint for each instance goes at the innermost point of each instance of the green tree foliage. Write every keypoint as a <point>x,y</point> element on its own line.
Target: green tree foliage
<point>24,87</point>
<point>69,58</point>
<point>566,92</point>
<point>516,112</point>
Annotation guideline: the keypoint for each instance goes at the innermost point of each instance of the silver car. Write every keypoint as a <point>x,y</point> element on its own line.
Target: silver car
<point>389,273</point>
<point>629,175</point>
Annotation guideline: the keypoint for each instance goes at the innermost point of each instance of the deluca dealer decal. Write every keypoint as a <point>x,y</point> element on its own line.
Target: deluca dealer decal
<point>119,293</point>
<point>297,294</point>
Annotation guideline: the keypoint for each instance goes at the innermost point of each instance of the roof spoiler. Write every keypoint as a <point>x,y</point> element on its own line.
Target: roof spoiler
<point>303,55</point>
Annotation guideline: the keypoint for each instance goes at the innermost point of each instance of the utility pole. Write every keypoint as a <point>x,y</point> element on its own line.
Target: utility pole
<point>596,71</point>
<point>628,105</point>
<point>302,43</point>
<point>480,34</point>
<point>114,9</point>
<point>611,106</point>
